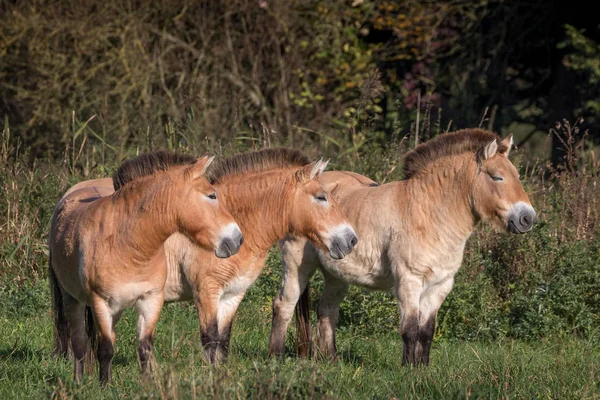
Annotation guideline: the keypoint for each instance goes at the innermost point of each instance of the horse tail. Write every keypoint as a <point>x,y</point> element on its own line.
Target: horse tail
<point>61,325</point>
<point>303,323</point>
<point>92,335</point>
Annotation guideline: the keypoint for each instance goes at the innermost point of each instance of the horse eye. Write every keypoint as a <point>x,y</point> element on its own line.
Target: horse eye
<point>321,198</point>
<point>497,178</point>
<point>212,196</point>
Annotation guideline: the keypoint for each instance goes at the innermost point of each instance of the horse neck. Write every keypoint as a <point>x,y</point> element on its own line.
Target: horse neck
<point>441,198</point>
<point>261,206</point>
<point>147,217</point>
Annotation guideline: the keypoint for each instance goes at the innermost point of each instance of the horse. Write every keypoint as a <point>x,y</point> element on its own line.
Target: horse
<point>412,237</point>
<point>107,250</point>
<point>271,193</point>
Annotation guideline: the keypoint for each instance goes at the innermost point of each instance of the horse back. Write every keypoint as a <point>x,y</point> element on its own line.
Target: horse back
<point>347,179</point>
<point>104,185</point>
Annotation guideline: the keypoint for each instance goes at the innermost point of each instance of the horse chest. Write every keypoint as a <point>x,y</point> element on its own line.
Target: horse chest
<point>435,267</point>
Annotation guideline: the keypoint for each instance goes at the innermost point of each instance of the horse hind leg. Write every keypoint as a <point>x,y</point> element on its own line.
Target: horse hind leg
<point>328,312</point>
<point>148,308</point>
<point>75,314</point>
<point>299,262</point>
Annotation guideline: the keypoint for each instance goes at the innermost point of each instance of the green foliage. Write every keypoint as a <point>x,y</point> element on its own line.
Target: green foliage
<point>583,57</point>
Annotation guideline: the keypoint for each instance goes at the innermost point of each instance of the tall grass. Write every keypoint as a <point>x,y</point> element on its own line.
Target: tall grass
<point>545,283</point>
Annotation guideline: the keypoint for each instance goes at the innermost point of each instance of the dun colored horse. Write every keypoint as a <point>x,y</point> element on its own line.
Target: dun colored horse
<point>412,236</point>
<point>107,249</point>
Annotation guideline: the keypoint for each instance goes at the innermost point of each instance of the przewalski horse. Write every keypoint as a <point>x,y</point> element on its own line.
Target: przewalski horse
<point>412,236</point>
<point>271,193</point>
<point>107,249</point>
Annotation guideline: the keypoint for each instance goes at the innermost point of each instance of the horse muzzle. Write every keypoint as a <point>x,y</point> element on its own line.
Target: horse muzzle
<point>230,242</point>
<point>522,218</point>
<point>342,242</point>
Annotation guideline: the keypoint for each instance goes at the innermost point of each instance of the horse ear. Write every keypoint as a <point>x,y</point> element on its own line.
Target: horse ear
<point>489,150</point>
<point>316,169</point>
<point>323,166</point>
<point>311,171</point>
<point>508,143</point>
<point>199,168</point>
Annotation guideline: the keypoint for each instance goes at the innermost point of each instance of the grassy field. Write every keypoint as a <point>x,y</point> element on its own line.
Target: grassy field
<point>369,366</point>
<point>523,320</point>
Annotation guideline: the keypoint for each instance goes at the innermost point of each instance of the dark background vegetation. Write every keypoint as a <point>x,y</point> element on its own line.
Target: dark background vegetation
<point>86,84</point>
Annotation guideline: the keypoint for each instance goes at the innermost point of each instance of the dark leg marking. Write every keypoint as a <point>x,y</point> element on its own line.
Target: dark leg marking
<point>105,354</point>
<point>224,339</point>
<point>425,338</point>
<point>145,347</point>
<point>410,335</point>
<point>210,341</point>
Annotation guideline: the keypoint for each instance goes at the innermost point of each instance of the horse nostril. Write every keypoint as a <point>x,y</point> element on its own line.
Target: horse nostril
<point>525,220</point>
<point>241,241</point>
<point>353,241</point>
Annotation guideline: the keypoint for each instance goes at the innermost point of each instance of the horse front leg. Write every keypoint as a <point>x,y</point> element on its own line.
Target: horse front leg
<point>105,319</point>
<point>207,306</point>
<point>408,293</point>
<point>148,309</point>
<point>228,305</point>
<point>431,300</point>
<point>328,312</point>
<point>299,262</point>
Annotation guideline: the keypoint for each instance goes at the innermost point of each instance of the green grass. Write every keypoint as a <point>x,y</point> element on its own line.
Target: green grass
<point>369,366</point>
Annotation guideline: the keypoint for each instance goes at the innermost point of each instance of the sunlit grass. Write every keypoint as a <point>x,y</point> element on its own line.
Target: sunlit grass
<point>369,364</point>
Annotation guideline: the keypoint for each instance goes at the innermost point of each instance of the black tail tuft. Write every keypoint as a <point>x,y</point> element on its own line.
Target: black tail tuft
<point>303,323</point>
<point>62,339</point>
<point>92,348</point>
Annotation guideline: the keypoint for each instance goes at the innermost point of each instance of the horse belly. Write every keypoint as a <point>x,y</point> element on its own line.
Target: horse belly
<point>366,269</point>
<point>125,295</point>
